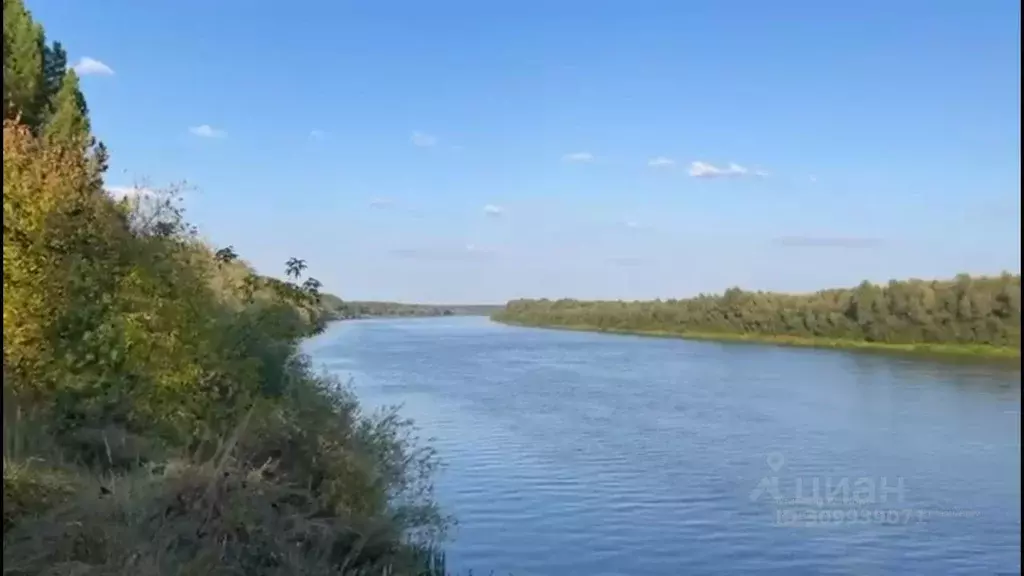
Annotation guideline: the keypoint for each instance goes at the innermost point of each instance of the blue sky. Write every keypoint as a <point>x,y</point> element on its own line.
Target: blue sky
<point>467,151</point>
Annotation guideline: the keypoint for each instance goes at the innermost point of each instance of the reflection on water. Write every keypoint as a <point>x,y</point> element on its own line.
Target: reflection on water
<point>574,453</point>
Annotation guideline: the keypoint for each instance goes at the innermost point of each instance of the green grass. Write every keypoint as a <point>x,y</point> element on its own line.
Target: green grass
<point>979,351</point>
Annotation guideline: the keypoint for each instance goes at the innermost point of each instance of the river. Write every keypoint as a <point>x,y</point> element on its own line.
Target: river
<point>575,453</point>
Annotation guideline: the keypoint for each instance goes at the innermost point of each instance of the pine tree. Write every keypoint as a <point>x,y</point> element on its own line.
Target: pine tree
<point>98,160</point>
<point>101,156</point>
<point>55,63</point>
<point>70,120</point>
<point>40,90</point>
<point>23,63</point>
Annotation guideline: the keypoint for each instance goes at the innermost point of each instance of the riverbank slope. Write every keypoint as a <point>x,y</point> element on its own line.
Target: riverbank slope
<point>158,416</point>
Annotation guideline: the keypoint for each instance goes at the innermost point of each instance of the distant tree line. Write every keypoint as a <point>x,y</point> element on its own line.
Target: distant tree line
<point>965,310</point>
<point>338,309</point>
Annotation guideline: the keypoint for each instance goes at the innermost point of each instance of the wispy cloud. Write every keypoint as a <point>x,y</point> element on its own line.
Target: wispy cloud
<point>626,261</point>
<point>826,242</point>
<point>475,249</point>
<point>469,252</point>
<point>207,131</point>
<point>631,227</point>
<point>317,134</point>
<point>812,179</point>
<point>493,210</point>
<point>408,252</point>
<point>661,162</point>
<point>91,67</point>
<point>578,157</point>
<point>395,206</point>
<point>701,169</point>
<point>422,139</point>
<point>382,203</point>
<point>120,192</point>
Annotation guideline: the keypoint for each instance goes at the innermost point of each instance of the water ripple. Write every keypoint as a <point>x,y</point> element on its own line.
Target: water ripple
<point>572,453</point>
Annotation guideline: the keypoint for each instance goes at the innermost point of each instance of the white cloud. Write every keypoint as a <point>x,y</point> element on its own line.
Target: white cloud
<point>120,192</point>
<point>492,210</point>
<point>207,131</point>
<point>479,251</point>
<point>422,139</point>
<point>317,134</point>
<point>578,157</point>
<point>382,202</point>
<point>700,169</point>
<point>91,67</point>
<point>661,162</point>
<point>634,226</point>
<point>812,179</point>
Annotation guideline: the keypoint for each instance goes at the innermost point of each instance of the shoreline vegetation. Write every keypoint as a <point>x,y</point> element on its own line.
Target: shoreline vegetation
<point>158,417</point>
<point>337,309</point>
<point>937,350</point>
<point>966,317</point>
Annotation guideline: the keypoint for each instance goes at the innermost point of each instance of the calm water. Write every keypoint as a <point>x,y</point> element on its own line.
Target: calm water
<point>572,453</point>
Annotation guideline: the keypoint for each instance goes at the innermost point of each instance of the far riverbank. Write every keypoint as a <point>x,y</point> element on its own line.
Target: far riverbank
<point>960,351</point>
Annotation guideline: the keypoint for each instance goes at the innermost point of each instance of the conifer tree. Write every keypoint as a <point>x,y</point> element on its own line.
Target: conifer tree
<point>23,63</point>
<point>55,64</point>
<point>70,120</point>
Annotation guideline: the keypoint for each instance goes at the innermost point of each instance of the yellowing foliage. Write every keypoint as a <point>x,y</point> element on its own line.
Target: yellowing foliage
<point>143,365</point>
<point>57,231</point>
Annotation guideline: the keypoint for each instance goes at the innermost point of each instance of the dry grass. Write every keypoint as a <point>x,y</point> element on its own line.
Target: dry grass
<point>222,513</point>
<point>198,519</point>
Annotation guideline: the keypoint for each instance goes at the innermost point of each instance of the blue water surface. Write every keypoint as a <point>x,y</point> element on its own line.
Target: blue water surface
<point>575,453</point>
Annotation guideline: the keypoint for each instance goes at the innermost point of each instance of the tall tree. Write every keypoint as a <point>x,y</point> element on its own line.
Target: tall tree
<point>98,159</point>
<point>55,64</point>
<point>69,123</point>
<point>23,63</point>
